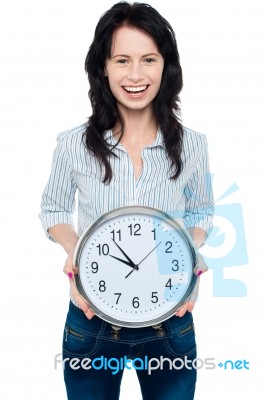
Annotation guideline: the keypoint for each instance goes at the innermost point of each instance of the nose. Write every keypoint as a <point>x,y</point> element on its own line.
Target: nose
<point>135,74</point>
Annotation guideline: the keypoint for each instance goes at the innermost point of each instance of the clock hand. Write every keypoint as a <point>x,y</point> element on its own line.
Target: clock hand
<point>132,264</point>
<point>149,253</point>
<point>125,262</point>
<point>137,265</point>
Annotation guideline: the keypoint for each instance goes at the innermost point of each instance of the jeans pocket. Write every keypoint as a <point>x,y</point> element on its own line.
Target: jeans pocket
<point>79,344</point>
<point>183,342</point>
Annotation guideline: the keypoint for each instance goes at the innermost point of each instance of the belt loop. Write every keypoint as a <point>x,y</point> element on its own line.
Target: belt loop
<point>115,333</point>
<point>159,330</point>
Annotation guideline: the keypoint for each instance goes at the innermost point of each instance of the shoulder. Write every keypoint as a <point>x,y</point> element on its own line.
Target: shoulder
<point>193,139</point>
<point>195,147</point>
<point>71,137</point>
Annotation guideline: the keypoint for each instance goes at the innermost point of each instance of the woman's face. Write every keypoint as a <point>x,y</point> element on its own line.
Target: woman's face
<point>134,69</point>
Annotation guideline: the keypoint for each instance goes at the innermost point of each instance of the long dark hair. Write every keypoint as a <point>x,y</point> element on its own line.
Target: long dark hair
<point>105,113</point>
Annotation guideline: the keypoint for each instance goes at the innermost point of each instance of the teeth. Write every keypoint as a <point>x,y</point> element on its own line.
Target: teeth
<point>135,89</point>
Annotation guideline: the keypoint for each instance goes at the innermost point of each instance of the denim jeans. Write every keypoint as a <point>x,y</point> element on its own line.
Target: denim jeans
<point>94,358</point>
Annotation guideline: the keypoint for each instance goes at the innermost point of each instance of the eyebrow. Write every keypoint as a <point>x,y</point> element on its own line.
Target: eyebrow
<point>145,55</point>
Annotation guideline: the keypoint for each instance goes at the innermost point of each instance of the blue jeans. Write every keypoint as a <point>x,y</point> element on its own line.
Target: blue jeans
<point>94,358</point>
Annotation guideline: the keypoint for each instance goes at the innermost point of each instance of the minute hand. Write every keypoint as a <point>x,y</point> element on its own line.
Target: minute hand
<point>137,265</point>
<point>131,263</point>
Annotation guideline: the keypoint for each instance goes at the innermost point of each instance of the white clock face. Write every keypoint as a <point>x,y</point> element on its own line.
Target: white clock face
<point>135,268</point>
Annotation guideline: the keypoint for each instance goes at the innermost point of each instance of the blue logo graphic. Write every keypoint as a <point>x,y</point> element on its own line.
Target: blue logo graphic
<point>226,247</point>
<point>238,364</point>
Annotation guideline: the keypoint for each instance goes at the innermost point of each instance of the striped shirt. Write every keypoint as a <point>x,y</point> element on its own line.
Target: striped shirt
<point>74,169</point>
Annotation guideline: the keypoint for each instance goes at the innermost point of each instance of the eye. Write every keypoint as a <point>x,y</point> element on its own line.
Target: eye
<point>149,60</point>
<point>122,61</point>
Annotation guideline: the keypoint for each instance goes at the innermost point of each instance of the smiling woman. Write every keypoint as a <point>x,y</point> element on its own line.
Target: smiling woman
<point>134,70</point>
<point>133,150</point>
<point>135,39</point>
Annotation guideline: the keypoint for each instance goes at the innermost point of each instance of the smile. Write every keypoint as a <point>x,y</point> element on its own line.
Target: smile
<point>135,89</point>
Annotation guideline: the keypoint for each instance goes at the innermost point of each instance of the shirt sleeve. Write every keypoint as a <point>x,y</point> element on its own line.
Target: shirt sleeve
<point>198,192</point>
<point>58,198</point>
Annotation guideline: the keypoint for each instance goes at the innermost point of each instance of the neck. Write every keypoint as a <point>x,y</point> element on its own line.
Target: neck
<point>139,125</point>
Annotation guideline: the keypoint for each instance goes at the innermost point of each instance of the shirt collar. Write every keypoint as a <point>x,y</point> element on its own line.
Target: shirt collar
<point>108,136</point>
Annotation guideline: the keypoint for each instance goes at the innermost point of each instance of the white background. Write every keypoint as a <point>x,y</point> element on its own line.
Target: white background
<point>43,91</point>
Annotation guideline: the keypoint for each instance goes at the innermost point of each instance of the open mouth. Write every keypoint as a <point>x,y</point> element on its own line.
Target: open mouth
<point>135,89</point>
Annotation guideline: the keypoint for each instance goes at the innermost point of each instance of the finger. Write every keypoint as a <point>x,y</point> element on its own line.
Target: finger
<point>195,292</point>
<point>75,269</point>
<point>77,297</point>
<point>201,265</point>
<point>182,310</point>
<point>89,314</point>
<point>190,306</point>
<point>80,301</point>
<point>70,269</point>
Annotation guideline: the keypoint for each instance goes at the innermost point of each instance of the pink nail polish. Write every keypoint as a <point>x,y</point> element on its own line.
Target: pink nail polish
<point>199,273</point>
<point>70,275</point>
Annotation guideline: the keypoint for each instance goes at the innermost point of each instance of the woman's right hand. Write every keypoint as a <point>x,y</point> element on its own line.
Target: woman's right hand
<point>70,270</point>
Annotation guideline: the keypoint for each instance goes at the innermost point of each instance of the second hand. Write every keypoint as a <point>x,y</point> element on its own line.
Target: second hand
<point>137,265</point>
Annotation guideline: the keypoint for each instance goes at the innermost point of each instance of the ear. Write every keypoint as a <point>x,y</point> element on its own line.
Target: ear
<point>105,72</point>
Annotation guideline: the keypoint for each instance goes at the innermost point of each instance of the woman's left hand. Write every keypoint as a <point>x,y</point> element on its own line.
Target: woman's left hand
<point>200,268</point>
<point>189,305</point>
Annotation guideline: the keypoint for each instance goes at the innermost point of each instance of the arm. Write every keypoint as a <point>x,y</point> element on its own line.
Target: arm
<point>199,213</point>
<point>65,235</point>
<point>198,235</point>
<point>198,193</point>
<point>57,206</point>
<point>58,198</point>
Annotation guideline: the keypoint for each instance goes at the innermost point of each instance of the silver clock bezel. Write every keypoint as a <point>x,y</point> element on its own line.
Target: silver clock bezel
<point>125,211</point>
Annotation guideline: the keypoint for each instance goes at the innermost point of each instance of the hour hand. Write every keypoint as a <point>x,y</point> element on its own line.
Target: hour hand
<point>130,264</point>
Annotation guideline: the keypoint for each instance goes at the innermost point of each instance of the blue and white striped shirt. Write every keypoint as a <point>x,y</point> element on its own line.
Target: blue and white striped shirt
<point>188,198</point>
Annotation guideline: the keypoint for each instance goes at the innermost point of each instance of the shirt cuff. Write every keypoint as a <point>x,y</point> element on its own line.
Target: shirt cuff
<point>50,219</point>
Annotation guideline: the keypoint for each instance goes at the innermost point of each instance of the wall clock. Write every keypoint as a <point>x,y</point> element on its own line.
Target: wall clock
<point>135,266</point>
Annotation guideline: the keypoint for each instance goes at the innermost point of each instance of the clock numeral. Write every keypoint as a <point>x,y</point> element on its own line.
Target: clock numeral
<point>135,302</point>
<point>133,232</point>
<point>102,287</point>
<point>169,284</point>
<point>154,233</point>
<point>176,266</point>
<point>103,249</point>
<point>117,294</point>
<point>154,298</point>
<point>117,233</point>
<point>169,244</point>
<point>94,267</point>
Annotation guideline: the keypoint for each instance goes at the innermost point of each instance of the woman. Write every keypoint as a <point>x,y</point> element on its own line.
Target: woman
<point>133,150</point>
